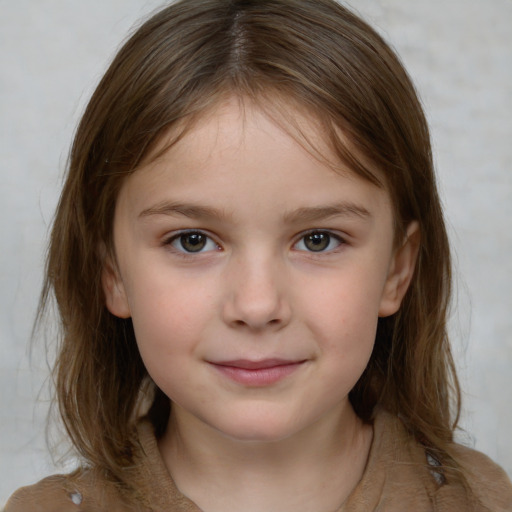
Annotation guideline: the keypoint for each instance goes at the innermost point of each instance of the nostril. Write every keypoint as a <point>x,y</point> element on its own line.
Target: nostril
<point>256,306</point>
<point>257,326</point>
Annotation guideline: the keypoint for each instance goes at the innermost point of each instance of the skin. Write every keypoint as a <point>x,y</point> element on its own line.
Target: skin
<point>259,289</point>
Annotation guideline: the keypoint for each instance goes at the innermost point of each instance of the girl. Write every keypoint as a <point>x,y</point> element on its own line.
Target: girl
<point>253,274</point>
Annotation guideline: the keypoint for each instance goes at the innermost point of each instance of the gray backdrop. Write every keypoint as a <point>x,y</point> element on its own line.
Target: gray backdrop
<point>459,52</point>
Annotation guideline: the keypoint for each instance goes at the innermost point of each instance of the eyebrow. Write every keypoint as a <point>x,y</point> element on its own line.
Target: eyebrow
<point>316,213</point>
<point>186,209</point>
<point>305,214</point>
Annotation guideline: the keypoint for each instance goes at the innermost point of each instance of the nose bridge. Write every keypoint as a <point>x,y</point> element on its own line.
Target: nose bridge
<point>257,295</point>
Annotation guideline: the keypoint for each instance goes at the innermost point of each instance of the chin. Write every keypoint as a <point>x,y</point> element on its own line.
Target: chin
<point>259,430</point>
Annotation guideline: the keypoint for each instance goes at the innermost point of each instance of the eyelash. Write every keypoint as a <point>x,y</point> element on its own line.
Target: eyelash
<point>316,232</point>
<point>176,238</point>
<point>180,235</point>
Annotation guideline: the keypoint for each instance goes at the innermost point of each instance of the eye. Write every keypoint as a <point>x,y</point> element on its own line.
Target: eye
<point>318,241</point>
<point>192,242</point>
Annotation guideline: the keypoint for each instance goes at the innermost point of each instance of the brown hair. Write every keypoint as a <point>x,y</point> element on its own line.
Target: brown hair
<point>315,54</point>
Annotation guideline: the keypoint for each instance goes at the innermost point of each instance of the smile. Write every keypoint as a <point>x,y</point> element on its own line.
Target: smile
<point>257,373</point>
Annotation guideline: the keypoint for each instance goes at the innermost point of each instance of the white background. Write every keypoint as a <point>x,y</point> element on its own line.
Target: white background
<point>459,52</point>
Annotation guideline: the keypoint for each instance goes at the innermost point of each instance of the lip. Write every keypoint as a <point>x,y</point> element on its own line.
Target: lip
<point>260,373</point>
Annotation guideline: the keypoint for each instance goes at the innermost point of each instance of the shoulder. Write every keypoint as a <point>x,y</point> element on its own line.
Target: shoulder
<point>489,483</point>
<point>76,492</point>
<point>51,494</point>
<point>407,465</point>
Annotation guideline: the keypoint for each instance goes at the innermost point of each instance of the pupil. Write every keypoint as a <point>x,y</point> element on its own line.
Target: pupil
<point>193,242</point>
<point>317,241</point>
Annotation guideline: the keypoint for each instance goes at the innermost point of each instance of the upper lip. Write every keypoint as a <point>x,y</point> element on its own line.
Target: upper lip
<point>247,364</point>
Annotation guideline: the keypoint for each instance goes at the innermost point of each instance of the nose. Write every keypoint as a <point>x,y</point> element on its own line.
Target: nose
<point>257,297</point>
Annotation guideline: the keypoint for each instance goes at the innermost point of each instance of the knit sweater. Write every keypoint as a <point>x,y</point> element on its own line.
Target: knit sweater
<point>399,477</point>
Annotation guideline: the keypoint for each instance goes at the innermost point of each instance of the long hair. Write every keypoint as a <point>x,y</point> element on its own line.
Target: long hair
<point>309,54</point>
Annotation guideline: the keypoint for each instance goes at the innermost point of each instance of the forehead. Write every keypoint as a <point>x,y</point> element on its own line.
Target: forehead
<point>236,159</point>
<point>231,121</point>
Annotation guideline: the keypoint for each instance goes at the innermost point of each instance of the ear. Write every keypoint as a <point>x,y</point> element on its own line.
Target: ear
<point>400,272</point>
<point>113,288</point>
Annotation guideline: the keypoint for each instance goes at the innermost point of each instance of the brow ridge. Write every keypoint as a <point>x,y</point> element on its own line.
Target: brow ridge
<point>186,209</point>
<point>304,214</point>
<point>345,209</point>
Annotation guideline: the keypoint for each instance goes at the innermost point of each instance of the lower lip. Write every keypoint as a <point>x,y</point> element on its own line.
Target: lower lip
<point>258,377</point>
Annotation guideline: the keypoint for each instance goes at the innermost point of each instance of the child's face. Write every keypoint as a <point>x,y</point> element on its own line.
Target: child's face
<point>254,276</point>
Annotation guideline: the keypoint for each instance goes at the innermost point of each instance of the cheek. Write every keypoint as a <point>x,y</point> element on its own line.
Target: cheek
<point>345,302</point>
<point>343,317</point>
<point>169,315</point>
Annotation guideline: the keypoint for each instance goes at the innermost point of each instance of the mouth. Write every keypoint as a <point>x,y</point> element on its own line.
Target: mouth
<point>260,373</point>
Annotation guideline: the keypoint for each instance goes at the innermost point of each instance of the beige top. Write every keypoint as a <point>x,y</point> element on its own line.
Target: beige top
<point>399,477</point>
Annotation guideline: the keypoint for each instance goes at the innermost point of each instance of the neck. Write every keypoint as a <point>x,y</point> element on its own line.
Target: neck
<point>312,470</point>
